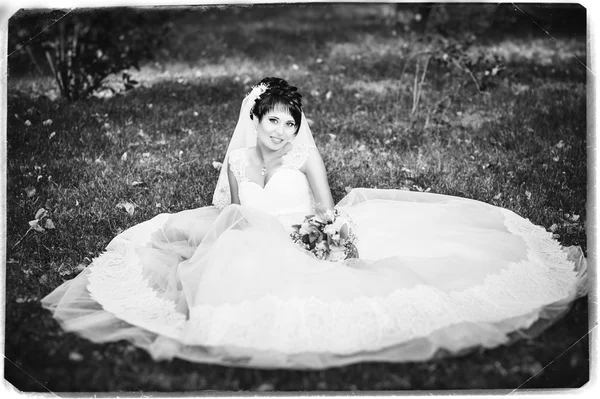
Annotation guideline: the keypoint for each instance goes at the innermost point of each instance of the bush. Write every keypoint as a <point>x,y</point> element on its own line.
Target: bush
<point>84,47</point>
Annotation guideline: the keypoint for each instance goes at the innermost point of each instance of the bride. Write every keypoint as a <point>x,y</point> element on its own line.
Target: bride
<point>436,275</point>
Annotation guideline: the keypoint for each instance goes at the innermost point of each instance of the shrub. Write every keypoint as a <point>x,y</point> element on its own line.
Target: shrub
<point>84,47</point>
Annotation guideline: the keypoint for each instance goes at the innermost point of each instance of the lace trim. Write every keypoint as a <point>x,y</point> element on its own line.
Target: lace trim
<point>223,197</point>
<point>373,323</point>
<point>237,160</point>
<point>118,285</point>
<point>297,156</point>
<point>365,323</point>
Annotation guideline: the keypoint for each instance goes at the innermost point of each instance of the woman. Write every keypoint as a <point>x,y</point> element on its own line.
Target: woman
<point>226,284</point>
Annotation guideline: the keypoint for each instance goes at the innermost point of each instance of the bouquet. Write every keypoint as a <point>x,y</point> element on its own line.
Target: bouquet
<point>329,237</point>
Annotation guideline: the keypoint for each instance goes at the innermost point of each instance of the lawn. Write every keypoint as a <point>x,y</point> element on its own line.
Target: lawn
<point>521,144</point>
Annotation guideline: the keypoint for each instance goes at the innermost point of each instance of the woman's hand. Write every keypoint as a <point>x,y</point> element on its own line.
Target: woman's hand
<point>322,211</point>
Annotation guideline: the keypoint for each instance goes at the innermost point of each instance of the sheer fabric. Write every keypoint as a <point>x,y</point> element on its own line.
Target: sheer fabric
<point>437,275</point>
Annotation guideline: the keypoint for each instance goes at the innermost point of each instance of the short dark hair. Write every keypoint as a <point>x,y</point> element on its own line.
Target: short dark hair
<point>279,93</point>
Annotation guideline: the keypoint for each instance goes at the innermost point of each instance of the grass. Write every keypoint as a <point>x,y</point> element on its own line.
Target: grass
<point>521,146</point>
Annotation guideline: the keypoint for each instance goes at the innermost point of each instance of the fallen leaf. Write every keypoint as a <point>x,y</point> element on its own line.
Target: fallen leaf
<point>328,95</point>
<point>498,196</point>
<point>80,267</point>
<point>47,122</point>
<point>217,165</point>
<point>409,173</point>
<point>51,136</point>
<point>295,67</point>
<point>34,224</point>
<point>136,183</point>
<point>553,228</point>
<point>49,224</point>
<point>128,206</point>
<point>41,213</point>
<point>75,357</point>
<point>30,191</point>
<point>44,279</point>
<point>528,195</point>
<point>64,270</point>
<point>348,189</point>
<point>534,369</point>
<point>265,387</point>
<point>124,156</point>
<point>107,93</point>
<point>27,122</point>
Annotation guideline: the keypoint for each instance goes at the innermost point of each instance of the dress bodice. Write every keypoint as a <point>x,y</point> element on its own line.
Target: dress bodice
<point>286,192</point>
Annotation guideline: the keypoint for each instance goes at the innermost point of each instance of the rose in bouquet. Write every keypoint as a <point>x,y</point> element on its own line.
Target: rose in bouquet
<point>329,237</point>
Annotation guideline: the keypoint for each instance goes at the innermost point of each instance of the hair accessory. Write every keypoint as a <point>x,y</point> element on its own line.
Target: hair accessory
<point>258,91</point>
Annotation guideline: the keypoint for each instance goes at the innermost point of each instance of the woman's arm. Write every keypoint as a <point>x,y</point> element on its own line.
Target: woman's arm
<point>314,169</point>
<point>233,186</point>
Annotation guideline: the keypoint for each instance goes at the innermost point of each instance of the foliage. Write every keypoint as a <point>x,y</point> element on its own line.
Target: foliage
<point>84,47</point>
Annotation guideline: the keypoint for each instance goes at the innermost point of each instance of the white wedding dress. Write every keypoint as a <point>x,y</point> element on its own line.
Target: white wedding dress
<point>437,275</point>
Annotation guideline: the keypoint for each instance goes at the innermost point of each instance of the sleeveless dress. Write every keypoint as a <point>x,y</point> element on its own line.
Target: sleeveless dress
<point>437,275</point>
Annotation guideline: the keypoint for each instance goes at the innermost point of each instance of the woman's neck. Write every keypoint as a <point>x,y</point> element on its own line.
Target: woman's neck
<point>264,154</point>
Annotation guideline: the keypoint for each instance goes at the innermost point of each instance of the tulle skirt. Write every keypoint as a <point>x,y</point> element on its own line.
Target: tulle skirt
<point>437,275</point>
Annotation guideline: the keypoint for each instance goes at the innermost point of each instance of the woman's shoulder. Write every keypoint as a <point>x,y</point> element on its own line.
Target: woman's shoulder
<point>238,155</point>
<point>299,154</point>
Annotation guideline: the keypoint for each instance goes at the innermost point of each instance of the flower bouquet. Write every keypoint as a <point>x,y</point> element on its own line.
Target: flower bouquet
<point>329,237</point>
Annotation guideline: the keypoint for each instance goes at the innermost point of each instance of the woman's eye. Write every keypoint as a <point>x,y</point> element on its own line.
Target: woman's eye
<point>273,120</point>
<point>290,124</point>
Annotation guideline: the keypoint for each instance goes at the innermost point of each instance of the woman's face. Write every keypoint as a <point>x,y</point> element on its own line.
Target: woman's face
<point>276,128</point>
